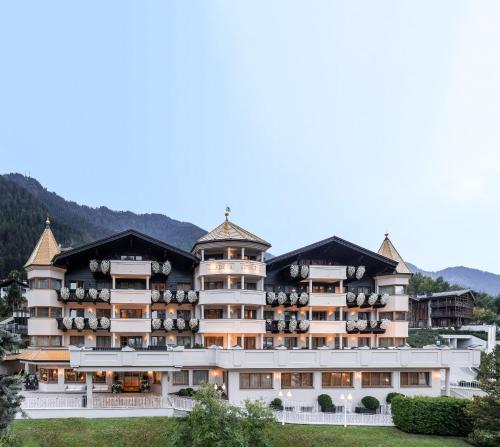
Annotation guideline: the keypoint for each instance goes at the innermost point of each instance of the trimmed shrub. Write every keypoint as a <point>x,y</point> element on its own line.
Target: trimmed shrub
<point>325,402</point>
<point>431,415</point>
<point>370,403</point>
<point>484,438</point>
<point>276,404</point>
<point>391,396</point>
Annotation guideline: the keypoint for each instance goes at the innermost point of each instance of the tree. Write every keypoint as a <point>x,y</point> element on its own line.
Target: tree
<point>485,411</point>
<point>10,386</point>
<point>213,423</point>
<point>14,298</point>
<point>485,316</point>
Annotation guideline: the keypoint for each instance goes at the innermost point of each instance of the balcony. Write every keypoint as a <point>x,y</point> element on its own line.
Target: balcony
<point>131,325</point>
<point>109,359</point>
<point>288,327</point>
<point>366,300</point>
<point>327,272</point>
<point>131,269</point>
<point>327,299</point>
<point>62,327</point>
<point>366,327</point>
<point>172,324</point>
<point>233,296</point>
<point>128,296</point>
<point>227,325</point>
<point>99,296</point>
<point>232,267</point>
<point>174,297</point>
<point>327,327</point>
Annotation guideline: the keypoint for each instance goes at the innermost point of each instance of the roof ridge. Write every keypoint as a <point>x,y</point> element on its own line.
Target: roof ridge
<point>228,230</point>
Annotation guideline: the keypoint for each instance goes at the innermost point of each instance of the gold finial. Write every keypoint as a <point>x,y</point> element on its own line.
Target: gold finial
<point>227,212</point>
<point>47,222</point>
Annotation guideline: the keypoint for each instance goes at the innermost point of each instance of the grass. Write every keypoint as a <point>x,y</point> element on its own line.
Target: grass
<point>153,432</point>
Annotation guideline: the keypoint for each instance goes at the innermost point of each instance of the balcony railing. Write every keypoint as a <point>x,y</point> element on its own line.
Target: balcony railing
<point>364,301</point>
<point>72,296</point>
<point>366,327</point>
<point>175,324</point>
<point>66,324</point>
<point>277,326</point>
<point>297,298</point>
<point>175,297</point>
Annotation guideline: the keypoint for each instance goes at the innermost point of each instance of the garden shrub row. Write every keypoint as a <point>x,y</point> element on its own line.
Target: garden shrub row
<point>431,415</point>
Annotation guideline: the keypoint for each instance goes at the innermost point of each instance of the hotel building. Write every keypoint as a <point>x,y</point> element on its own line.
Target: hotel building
<point>130,310</point>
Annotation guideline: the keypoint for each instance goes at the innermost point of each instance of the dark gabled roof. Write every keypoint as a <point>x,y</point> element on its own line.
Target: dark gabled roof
<point>121,235</point>
<point>8,282</point>
<point>338,240</point>
<point>448,293</point>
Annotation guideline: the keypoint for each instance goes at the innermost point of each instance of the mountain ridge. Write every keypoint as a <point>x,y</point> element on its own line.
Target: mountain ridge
<point>469,278</point>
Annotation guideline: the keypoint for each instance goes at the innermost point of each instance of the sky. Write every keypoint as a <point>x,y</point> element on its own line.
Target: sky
<point>308,119</point>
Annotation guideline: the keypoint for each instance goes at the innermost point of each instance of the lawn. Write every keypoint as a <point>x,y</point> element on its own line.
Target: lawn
<point>153,432</point>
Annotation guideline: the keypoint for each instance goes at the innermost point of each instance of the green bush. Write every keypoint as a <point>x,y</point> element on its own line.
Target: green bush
<point>431,415</point>
<point>276,404</point>
<point>325,402</point>
<point>484,438</point>
<point>391,396</point>
<point>370,403</point>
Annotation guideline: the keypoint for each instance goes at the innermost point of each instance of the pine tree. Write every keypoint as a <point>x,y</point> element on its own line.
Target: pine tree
<point>10,386</point>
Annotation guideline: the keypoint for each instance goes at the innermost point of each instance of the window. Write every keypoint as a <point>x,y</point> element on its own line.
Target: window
<point>185,314</point>
<point>103,284</point>
<point>250,314</point>
<point>319,315</point>
<point>157,341</point>
<point>291,342</point>
<point>181,377</point>
<point>77,340</point>
<point>399,341</point>
<point>46,340</point>
<point>323,288</point>
<point>268,343</point>
<point>214,285</point>
<point>79,312</point>
<point>364,316</point>
<point>160,286</point>
<point>400,316</point>
<point>159,314</point>
<point>45,283</point>
<point>45,312</point>
<point>56,312</point>
<point>360,289</point>
<point>99,377</point>
<point>290,315</point>
<point>363,341</point>
<point>200,376</point>
<point>250,342</point>
<point>251,285</point>
<point>336,379</point>
<point>131,258</point>
<point>376,380</point>
<point>186,286</point>
<point>415,379</point>
<point>217,341</point>
<point>130,283</point>
<point>184,340</point>
<point>269,315</point>
<point>297,380</point>
<point>385,342</point>
<point>132,341</point>
<point>75,284</point>
<point>392,290</point>
<point>385,315</point>
<point>103,313</point>
<point>103,341</point>
<point>130,313</point>
<point>213,314</point>
<point>48,375</point>
<point>72,376</point>
<point>318,342</point>
<point>256,381</point>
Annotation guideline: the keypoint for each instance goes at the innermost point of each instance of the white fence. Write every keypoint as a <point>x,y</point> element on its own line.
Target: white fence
<point>383,418</point>
<point>128,402</point>
<point>53,402</point>
<point>465,393</point>
<point>292,417</point>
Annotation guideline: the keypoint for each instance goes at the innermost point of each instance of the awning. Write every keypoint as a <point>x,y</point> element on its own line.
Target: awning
<point>43,355</point>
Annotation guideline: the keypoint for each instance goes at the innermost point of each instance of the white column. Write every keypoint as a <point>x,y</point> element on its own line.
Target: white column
<point>341,341</point>
<point>243,253</point>
<point>341,313</point>
<point>113,282</point>
<point>202,255</point>
<point>228,311</point>
<point>262,257</point>
<point>242,340</point>
<point>228,282</point>
<point>341,286</point>
<point>242,282</point>
<point>147,282</point>
<point>228,252</point>
<point>310,286</point>
<point>261,341</point>
<point>88,381</point>
<point>242,311</point>
<point>229,344</point>
<point>202,316</point>
<point>202,279</point>
<point>164,388</point>
<point>310,313</point>
<point>310,341</point>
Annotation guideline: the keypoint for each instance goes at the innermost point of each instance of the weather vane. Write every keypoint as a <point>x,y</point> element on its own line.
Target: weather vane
<point>228,211</point>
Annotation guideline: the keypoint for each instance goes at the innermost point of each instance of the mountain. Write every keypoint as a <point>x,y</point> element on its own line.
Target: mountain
<point>25,203</point>
<point>466,277</point>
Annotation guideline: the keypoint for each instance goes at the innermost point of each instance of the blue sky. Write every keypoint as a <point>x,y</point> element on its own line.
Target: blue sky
<point>307,118</point>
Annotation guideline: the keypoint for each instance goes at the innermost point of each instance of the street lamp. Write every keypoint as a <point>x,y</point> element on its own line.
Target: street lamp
<point>281,396</point>
<point>345,399</point>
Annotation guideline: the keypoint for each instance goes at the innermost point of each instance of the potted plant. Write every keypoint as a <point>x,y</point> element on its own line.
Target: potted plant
<point>392,395</point>
<point>145,385</point>
<point>117,387</point>
<point>370,405</point>
<point>326,404</point>
<point>276,404</point>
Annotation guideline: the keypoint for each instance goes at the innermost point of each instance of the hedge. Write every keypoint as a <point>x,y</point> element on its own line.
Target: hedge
<point>431,415</point>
